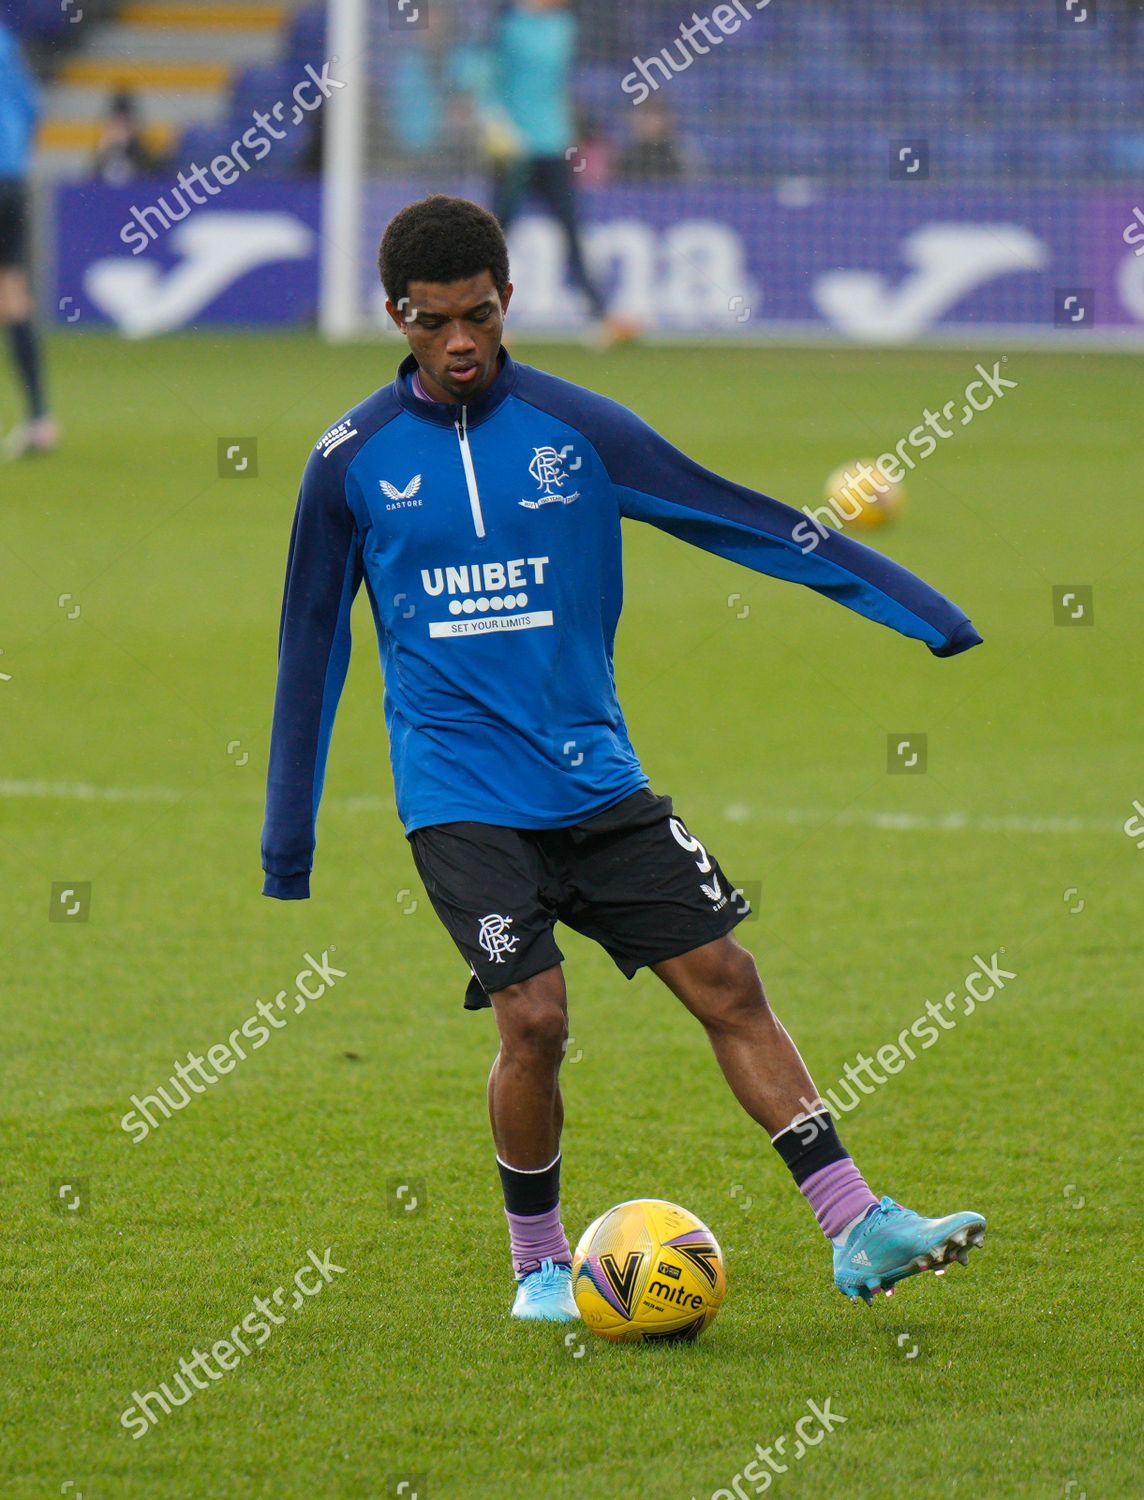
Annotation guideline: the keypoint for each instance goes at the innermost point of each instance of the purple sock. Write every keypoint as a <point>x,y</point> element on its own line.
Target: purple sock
<point>838,1194</point>
<point>537,1237</point>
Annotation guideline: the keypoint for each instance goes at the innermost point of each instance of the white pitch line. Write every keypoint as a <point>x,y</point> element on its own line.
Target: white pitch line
<point>737,812</point>
<point>895,822</point>
<point>82,791</point>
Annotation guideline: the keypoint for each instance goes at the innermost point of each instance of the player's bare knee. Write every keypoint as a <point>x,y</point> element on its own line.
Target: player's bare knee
<point>533,1016</point>
<point>15,298</point>
<point>539,1029</point>
<point>735,993</point>
<point>729,966</point>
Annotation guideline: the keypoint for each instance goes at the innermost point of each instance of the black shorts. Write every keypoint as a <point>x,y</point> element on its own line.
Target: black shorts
<point>13,223</point>
<point>632,878</point>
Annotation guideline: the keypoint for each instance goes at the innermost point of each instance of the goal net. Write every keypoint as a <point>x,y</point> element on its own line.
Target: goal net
<point>758,167</point>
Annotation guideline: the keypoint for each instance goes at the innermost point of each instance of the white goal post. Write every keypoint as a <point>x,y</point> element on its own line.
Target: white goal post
<point>340,310</point>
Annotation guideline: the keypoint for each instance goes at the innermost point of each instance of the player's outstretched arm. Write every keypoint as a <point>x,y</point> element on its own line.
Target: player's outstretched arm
<point>659,484</point>
<point>323,574</point>
<point>19,80</point>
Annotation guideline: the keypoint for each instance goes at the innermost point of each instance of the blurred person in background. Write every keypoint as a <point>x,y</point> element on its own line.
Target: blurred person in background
<point>429,109</point>
<point>122,152</point>
<point>653,152</point>
<point>524,100</point>
<point>19,109</point>
<point>594,152</point>
<point>308,162</point>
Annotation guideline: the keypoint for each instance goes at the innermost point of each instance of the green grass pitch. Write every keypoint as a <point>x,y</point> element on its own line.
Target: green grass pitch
<point>134,751</point>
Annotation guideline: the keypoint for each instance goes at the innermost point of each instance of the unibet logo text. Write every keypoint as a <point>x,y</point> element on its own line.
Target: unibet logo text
<point>475,578</point>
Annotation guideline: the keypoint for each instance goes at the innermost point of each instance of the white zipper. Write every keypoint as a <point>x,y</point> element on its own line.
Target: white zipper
<point>470,473</point>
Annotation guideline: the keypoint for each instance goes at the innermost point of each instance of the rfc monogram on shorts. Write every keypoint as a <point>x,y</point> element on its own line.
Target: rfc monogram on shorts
<point>495,938</point>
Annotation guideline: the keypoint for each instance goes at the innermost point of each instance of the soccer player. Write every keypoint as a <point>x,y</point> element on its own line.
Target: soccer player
<point>524,99</point>
<point>19,108</point>
<point>480,501</point>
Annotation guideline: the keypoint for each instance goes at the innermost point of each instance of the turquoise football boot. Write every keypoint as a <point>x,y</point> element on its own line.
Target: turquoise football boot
<point>893,1242</point>
<point>546,1296</point>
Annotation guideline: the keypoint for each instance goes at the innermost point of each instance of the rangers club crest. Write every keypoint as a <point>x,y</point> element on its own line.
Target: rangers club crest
<point>495,938</point>
<point>547,468</point>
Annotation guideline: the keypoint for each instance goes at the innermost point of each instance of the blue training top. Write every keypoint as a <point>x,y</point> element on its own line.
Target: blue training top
<point>527,75</point>
<point>19,107</point>
<point>488,535</point>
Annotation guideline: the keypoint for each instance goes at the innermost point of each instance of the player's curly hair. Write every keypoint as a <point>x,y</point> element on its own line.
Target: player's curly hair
<point>441,239</point>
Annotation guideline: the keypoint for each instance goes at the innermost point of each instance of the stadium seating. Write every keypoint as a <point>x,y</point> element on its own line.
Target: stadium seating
<point>176,59</point>
<point>818,88</point>
<point>34,19</point>
<point>306,38</point>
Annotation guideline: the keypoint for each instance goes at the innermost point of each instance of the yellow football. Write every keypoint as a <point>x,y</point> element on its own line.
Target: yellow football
<point>861,494</point>
<point>648,1271</point>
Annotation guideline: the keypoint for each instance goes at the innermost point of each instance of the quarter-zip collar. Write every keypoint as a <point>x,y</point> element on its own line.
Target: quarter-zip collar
<point>461,427</point>
<point>448,413</point>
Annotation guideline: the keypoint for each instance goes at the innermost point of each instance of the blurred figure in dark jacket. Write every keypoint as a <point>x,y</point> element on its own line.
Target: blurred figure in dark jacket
<point>653,153</point>
<point>19,111</point>
<point>122,152</point>
<point>523,91</point>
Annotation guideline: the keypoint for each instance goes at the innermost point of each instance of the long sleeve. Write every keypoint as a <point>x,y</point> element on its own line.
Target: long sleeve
<point>659,484</point>
<point>19,107</point>
<point>323,574</point>
<point>480,73</point>
<point>27,91</point>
